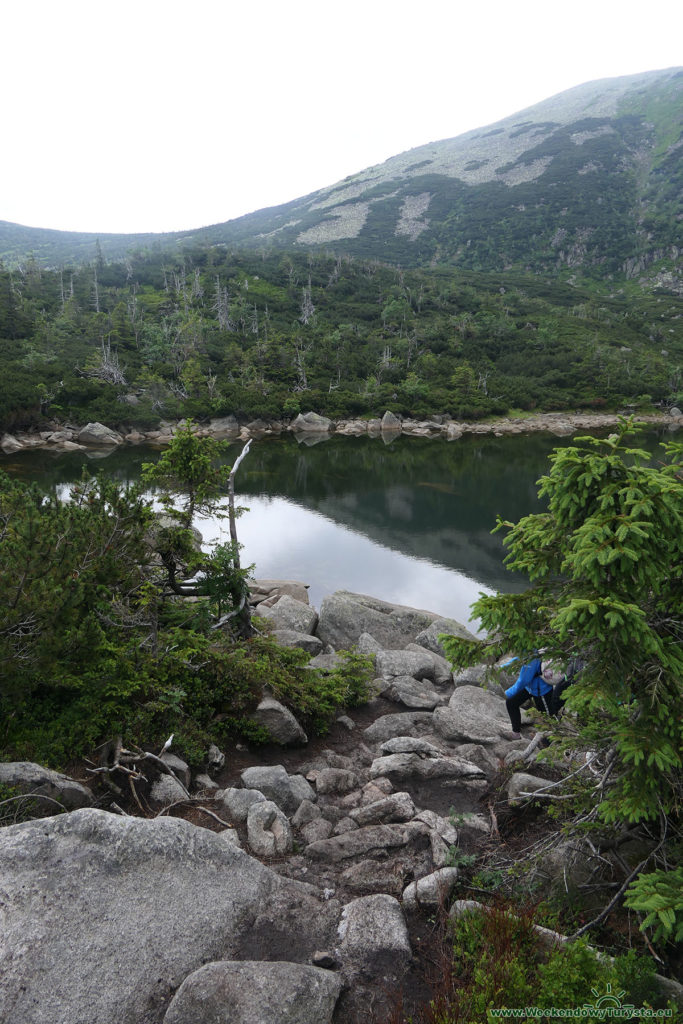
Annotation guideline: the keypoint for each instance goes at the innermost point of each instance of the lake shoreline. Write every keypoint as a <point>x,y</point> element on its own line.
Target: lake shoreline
<point>312,428</point>
<point>405,519</point>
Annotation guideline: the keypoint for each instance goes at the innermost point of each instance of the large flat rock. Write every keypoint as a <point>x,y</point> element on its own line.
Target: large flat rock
<point>290,614</point>
<point>103,917</point>
<point>344,616</point>
<point>287,791</point>
<point>412,693</point>
<point>399,768</point>
<point>311,422</point>
<point>429,637</point>
<point>404,723</point>
<point>374,928</point>
<point>371,840</point>
<point>279,721</point>
<point>418,664</point>
<point>473,715</point>
<point>59,790</point>
<point>98,434</point>
<point>223,427</point>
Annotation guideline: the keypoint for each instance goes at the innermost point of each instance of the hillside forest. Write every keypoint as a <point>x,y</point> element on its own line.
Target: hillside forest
<point>212,332</point>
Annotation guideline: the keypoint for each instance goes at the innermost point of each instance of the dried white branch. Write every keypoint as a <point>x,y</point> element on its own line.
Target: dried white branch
<point>32,796</point>
<point>199,807</point>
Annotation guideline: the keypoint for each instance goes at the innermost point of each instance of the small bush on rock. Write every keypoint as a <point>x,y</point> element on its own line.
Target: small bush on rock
<point>317,696</point>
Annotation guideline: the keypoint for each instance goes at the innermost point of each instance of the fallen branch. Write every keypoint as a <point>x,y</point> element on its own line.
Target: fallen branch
<point>543,791</point>
<point>106,770</point>
<point>535,743</point>
<point>547,796</point>
<point>622,888</point>
<point>122,759</point>
<point>215,816</point>
<point>135,796</point>
<point>113,806</point>
<point>198,807</point>
<point>165,768</point>
<point>32,796</point>
<point>243,611</point>
<point>230,615</point>
<point>494,822</point>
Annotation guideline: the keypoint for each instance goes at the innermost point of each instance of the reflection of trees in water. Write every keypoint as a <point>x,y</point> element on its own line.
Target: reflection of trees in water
<point>50,469</point>
<point>467,481</point>
<point>427,498</point>
<point>475,553</point>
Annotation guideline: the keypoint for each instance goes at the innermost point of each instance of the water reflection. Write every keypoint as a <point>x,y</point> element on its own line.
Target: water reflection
<point>408,522</point>
<point>285,541</point>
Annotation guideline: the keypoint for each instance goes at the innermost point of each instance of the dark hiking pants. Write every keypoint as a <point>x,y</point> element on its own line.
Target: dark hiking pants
<point>514,706</point>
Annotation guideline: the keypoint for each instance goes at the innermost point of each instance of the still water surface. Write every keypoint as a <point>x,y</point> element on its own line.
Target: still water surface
<point>408,522</point>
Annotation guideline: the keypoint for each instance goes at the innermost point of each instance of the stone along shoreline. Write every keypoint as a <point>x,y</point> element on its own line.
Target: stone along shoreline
<point>311,428</point>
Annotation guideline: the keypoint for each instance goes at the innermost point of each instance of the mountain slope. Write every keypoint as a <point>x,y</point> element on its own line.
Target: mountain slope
<point>588,181</point>
<point>589,178</point>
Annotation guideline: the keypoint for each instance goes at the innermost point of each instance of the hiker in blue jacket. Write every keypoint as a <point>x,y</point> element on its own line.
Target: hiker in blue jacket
<point>535,680</point>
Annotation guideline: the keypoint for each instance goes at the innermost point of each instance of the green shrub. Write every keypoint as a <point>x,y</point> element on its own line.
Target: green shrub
<point>570,975</point>
<point>317,696</point>
<point>659,895</point>
<point>497,960</point>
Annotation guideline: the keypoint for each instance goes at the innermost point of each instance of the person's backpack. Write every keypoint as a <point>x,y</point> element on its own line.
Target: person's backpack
<point>574,667</point>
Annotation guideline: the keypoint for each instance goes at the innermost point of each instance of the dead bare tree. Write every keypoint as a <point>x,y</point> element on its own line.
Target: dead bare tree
<point>96,291</point>
<point>221,307</point>
<point>242,613</point>
<point>108,369</point>
<point>383,363</point>
<point>334,275</point>
<point>300,353</point>
<point>180,283</point>
<point>307,307</point>
<point>115,761</point>
<point>211,383</point>
<point>412,349</point>
<point>132,311</point>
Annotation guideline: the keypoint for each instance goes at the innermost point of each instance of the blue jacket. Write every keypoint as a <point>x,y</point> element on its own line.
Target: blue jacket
<point>530,679</point>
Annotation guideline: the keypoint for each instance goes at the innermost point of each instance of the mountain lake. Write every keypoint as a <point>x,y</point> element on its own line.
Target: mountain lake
<point>408,521</point>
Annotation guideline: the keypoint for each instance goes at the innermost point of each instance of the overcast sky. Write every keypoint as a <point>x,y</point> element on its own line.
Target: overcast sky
<point>156,115</point>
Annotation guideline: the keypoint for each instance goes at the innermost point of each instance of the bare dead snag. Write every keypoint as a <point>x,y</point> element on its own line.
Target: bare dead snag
<point>243,612</point>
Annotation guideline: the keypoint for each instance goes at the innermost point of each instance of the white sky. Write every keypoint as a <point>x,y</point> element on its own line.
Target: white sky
<point>156,115</point>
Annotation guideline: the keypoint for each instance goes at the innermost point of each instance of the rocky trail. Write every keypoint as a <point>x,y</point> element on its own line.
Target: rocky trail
<point>303,885</point>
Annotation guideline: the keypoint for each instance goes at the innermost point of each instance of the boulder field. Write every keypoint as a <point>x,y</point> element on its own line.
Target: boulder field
<point>297,903</point>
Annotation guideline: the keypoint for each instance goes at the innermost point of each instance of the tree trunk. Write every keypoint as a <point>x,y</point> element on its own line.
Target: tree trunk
<point>244,617</point>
